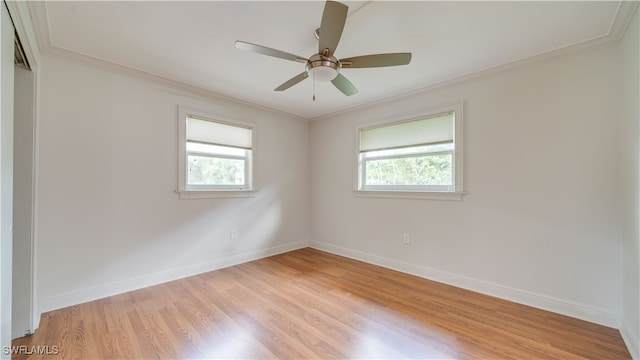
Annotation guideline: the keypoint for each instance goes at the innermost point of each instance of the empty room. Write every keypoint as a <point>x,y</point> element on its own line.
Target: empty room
<point>320,179</point>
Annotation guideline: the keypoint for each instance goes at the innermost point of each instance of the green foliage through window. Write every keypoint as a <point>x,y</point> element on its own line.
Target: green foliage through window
<point>209,170</point>
<point>410,170</point>
<point>210,165</point>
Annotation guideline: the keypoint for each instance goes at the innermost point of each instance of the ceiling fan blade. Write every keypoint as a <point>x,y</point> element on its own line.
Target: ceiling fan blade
<point>331,26</point>
<point>294,80</point>
<point>268,51</point>
<point>344,85</point>
<point>376,60</point>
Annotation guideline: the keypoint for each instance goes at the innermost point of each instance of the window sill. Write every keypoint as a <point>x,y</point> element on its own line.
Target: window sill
<point>214,194</point>
<point>420,195</point>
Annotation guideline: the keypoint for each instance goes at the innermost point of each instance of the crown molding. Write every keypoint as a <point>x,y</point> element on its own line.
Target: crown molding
<point>173,85</point>
<point>41,36</point>
<point>624,15</point>
<point>25,28</point>
<point>617,29</point>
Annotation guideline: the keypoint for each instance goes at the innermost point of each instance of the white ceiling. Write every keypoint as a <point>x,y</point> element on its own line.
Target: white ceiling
<point>193,42</point>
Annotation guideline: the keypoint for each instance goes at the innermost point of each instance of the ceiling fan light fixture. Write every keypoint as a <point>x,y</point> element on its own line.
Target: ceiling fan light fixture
<point>323,73</point>
<point>323,68</point>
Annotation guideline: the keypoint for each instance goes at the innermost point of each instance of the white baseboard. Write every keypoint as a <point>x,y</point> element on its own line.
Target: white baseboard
<point>564,307</point>
<point>631,339</point>
<point>560,306</point>
<point>119,287</point>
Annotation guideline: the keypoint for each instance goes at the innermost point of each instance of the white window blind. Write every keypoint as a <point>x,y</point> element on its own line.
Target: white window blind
<point>216,133</point>
<point>438,129</point>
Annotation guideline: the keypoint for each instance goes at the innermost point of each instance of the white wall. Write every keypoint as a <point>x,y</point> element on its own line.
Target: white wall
<point>108,217</point>
<point>630,184</point>
<point>540,223</point>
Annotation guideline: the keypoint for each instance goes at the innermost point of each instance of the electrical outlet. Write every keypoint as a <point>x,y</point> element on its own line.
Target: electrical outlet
<point>406,239</point>
<point>233,234</point>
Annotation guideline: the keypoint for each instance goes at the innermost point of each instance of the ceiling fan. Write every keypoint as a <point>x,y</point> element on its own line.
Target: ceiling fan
<point>324,66</point>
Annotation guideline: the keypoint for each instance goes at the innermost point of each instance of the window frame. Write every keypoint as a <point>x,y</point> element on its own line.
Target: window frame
<point>437,192</point>
<point>187,191</point>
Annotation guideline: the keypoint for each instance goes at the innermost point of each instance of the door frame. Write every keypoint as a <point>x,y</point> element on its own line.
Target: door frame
<point>21,13</point>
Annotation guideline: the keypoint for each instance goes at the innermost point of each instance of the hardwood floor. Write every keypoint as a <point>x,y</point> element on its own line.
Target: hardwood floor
<point>308,304</point>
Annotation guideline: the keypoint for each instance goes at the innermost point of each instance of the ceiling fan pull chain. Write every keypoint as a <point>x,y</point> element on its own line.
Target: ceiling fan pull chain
<point>314,86</point>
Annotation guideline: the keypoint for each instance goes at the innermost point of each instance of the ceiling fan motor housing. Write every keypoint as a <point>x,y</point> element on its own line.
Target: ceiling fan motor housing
<point>323,68</point>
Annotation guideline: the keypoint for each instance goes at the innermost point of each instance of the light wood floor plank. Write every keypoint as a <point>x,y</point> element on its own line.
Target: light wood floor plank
<point>308,304</point>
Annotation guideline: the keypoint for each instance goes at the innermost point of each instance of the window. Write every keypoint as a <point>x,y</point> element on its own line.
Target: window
<point>420,156</point>
<point>216,156</point>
